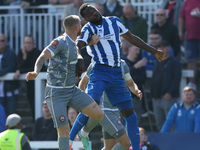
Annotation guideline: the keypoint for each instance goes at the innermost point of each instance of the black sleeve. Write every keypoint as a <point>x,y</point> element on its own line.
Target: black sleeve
<point>25,143</point>
<point>175,40</point>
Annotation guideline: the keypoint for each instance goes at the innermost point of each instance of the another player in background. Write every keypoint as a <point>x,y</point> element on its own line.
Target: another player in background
<point>61,90</point>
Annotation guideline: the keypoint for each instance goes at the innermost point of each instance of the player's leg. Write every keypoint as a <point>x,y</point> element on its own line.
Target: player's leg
<point>63,137</point>
<point>113,128</point>
<point>80,121</point>
<point>123,144</point>
<point>83,102</point>
<point>95,90</point>
<point>120,96</point>
<point>126,108</point>
<point>109,143</point>
<point>57,105</point>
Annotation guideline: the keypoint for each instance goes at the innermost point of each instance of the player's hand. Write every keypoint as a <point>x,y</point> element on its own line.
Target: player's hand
<point>31,75</point>
<point>159,55</point>
<point>80,68</point>
<point>138,93</point>
<point>94,40</point>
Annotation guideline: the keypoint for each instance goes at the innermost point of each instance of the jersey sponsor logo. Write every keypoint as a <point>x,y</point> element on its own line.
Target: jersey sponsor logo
<point>62,118</point>
<point>54,44</point>
<point>179,113</point>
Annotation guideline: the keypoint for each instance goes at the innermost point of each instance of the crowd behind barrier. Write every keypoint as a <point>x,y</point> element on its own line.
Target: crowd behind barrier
<point>46,26</point>
<point>41,80</point>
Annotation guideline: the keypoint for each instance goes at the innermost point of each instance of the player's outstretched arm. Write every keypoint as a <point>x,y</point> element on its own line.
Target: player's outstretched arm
<point>45,55</point>
<point>134,88</point>
<point>135,40</point>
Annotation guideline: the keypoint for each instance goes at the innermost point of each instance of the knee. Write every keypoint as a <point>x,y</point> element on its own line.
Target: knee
<point>99,115</point>
<point>63,131</point>
<point>127,112</point>
<point>124,141</point>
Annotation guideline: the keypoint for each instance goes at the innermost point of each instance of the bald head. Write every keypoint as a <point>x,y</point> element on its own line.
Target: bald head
<point>161,16</point>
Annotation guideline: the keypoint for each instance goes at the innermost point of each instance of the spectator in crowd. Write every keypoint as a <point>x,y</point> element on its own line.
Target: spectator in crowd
<point>43,129</point>
<point>112,8</point>
<point>12,135</point>
<point>72,8</point>
<point>136,24</point>
<point>173,9</point>
<point>138,73</point>
<point>2,3</point>
<point>26,60</point>
<point>189,21</point>
<point>183,115</point>
<point>56,2</point>
<point>27,3</point>
<point>9,90</point>
<point>165,84</point>
<point>100,8</point>
<point>154,39</point>
<point>2,119</point>
<point>144,144</point>
<point>72,114</point>
<point>168,31</point>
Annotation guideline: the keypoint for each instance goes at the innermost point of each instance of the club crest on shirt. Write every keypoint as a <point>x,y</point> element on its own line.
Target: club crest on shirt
<point>179,113</point>
<point>100,33</point>
<point>192,112</point>
<point>62,118</point>
<point>55,43</point>
<point>119,122</point>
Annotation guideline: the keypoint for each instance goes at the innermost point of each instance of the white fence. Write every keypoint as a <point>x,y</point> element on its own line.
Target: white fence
<point>41,78</point>
<point>46,26</point>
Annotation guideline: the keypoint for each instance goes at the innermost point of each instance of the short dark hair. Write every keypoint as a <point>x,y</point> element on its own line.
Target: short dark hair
<point>83,7</point>
<point>30,36</point>
<point>163,43</point>
<point>70,21</point>
<point>155,31</point>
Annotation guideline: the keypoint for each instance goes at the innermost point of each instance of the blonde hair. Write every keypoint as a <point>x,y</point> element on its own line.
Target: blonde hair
<point>70,21</point>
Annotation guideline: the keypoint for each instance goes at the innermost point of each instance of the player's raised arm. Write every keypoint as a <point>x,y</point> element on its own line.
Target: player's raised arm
<point>135,40</point>
<point>44,56</point>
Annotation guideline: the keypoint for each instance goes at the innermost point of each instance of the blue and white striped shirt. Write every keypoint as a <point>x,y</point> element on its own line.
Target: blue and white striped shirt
<point>108,49</point>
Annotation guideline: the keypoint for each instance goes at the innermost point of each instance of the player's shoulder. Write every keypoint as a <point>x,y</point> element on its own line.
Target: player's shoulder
<point>113,18</point>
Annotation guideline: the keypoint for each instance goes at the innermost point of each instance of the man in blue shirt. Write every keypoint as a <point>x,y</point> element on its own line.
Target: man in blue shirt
<point>106,73</point>
<point>183,115</point>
